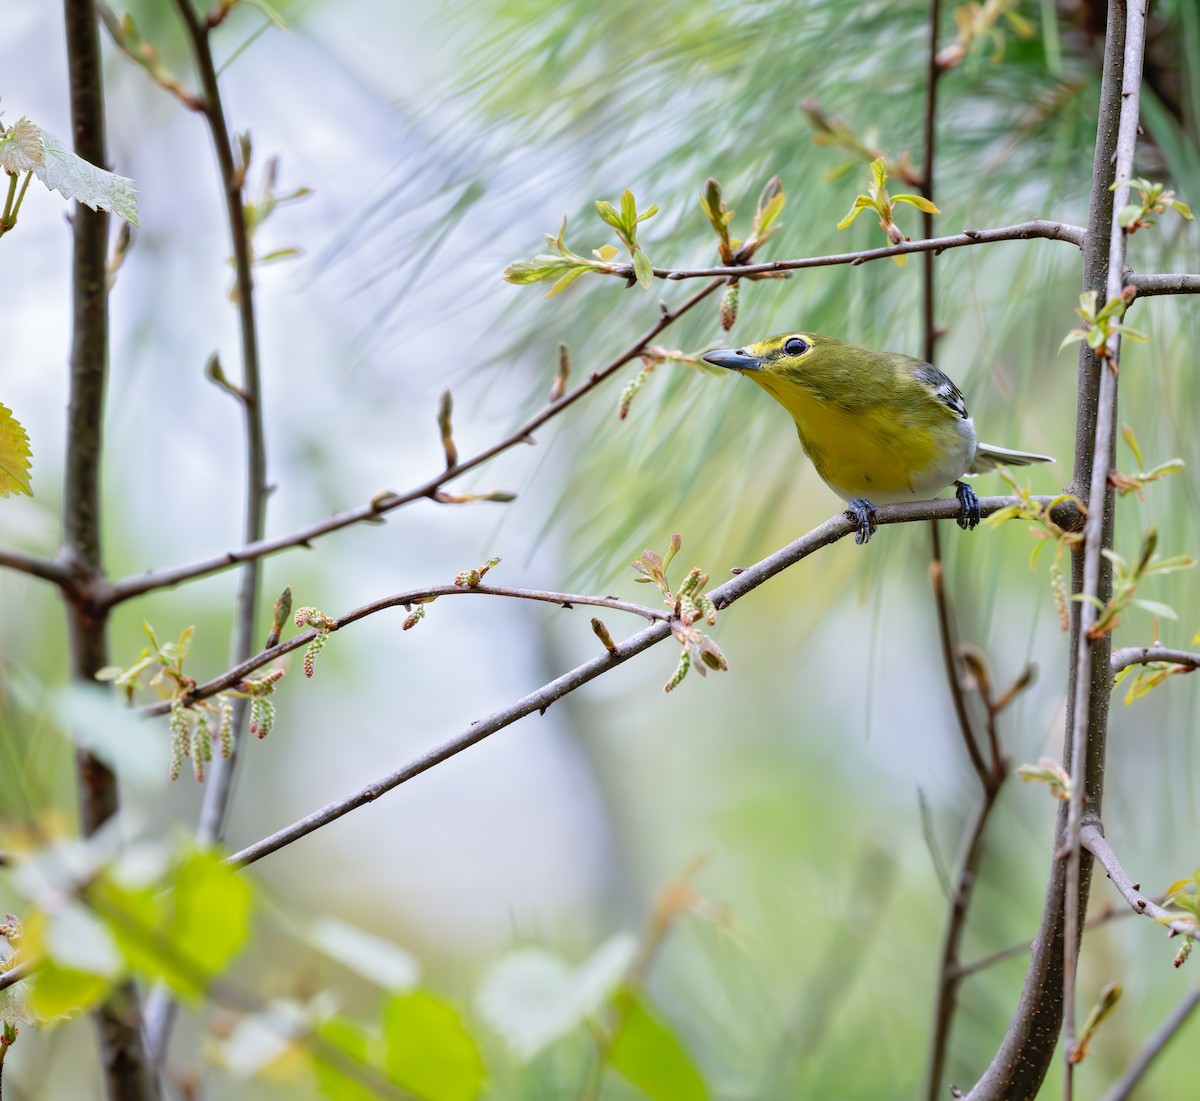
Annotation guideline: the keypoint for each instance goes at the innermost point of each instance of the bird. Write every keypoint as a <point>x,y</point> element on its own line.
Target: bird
<point>879,427</point>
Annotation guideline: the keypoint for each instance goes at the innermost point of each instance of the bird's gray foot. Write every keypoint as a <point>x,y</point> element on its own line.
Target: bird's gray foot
<point>862,512</point>
<point>969,500</point>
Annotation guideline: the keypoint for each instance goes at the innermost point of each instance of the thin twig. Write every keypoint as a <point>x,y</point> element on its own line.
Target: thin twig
<point>399,600</point>
<point>1106,914</point>
<point>1095,530</point>
<point>20,972</point>
<point>215,805</point>
<point>1022,231</point>
<point>1153,1047</point>
<point>385,503</point>
<point>1144,655</point>
<point>1091,837</point>
<point>722,596</point>
<point>45,568</point>
<point>949,971</point>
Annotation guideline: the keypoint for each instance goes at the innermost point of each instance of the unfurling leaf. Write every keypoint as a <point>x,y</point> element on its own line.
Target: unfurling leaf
<point>21,148</point>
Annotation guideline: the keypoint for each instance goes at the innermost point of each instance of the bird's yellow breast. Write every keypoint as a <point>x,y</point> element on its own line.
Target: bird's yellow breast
<point>884,453</point>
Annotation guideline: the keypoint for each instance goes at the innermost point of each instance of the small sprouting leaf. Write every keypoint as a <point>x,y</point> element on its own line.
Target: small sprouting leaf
<point>1182,209</point>
<point>919,201</point>
<point>879,172</point>
<point>565,281</point>
<point>609,213</point>
<point>629,216</point>
<point>74,178</point>
<point>643,269</point>
<point>1132,443</point>
<point>14,455</point>
<point>861,203</point>
<point>21,148</point>
<point>606,252</point>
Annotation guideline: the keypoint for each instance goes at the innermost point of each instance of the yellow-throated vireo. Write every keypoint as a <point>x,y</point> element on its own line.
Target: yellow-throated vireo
<point>880,427</point>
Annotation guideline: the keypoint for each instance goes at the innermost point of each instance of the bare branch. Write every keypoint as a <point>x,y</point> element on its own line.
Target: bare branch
<point>1169,283</point>
<point>388,502</point>
<point>1124,1086</point>
<point>722,596</point>
<point>1097,532</point>
<point>1144,655</point>
<point>45,568</point>
<point>1091,837</point>
<point>1023,231</point>
<point>399,600</point>
<point>1019,1066</point>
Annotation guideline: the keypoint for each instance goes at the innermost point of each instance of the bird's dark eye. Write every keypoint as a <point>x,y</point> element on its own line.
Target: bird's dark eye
<point>795,346</point>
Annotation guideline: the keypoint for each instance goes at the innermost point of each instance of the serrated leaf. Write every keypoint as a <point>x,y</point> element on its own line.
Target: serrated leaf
<point>74,178</point>
<point>21,149</point>
<point>648,1053</point>
<point>15,455</point>
<point>643,269</point>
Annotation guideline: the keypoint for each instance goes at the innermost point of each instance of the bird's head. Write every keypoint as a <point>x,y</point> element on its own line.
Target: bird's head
<point>795,363</point>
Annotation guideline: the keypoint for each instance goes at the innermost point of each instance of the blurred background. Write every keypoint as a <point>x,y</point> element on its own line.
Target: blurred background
<point>441,142</point>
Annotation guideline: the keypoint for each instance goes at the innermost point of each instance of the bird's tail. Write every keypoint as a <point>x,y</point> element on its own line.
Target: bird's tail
<point>988,458</point>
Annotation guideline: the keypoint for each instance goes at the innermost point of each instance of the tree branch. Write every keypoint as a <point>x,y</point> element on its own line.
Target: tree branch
<point>122,1052</point>
<point>399,600</point>
<point>45,568</point>
<point>722,596</point>
<point>1019,1066</point>
<point>216,800</point>
<point>1091,656</point>
<point>388,502</point>
<point>1091,837</point>
<point>1124,1086</point>
<point>1022,231</point>
<point>1145,655</point>
<point>1168,283</point>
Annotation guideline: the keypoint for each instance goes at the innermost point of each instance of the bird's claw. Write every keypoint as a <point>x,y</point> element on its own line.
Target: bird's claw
<point>863,513</point>
<point>969,500</point>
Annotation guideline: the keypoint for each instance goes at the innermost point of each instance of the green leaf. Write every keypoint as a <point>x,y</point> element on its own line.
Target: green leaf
<point>879,172</point>
<point>14,455</point>
<point>648,213</point>
<point>919,201</point>
<point>63,992</point>
<point>74,178</point>
<point>860,204</point>
<point>533,997</point>
<point>355,1045</point>
<point>648,1053</point>
<point>1132,443</point>
<point>1073,337</point>
<point>210,911</point>
<point>21,148</point>
<point>643,269</point>
<point>1129,214</point>
<point>1182,209</point>
<point>566,280</point>
<point>629,217</point>
<point>609,213</point>
<point>429,1051</point>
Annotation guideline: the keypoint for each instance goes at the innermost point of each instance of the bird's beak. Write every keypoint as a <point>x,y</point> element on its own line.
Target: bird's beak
<point>735,359</point>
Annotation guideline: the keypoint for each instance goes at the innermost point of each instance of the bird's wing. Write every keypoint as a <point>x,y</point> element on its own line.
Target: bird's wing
<point>942,388</point>
<point>988,457</point>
